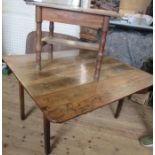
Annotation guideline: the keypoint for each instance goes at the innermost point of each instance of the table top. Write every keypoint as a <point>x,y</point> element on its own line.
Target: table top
<point>65,88</point>
<point>70,5</point>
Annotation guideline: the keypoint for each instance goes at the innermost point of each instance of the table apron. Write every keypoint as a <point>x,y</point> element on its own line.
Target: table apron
<point>71,17</point>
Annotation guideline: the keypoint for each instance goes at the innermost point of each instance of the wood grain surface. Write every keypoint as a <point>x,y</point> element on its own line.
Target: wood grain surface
<point>65,87</point>
<point>71,17</point>
<point>31,42</point>
<point>71,43</point>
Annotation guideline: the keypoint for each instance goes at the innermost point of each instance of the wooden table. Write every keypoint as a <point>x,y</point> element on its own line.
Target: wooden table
<point>65,87</point>
<point>65,12</point>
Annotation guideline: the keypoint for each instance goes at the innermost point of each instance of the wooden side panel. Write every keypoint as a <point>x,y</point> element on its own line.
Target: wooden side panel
<point>69,17</point>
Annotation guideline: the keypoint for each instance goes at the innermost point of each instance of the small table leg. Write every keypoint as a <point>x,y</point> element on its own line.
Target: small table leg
<point>101,48</point>
<point>21,99</point>
<point>119,107</point>
<point>38,36</point>
<point>51,34</point>
<point>46,135</point>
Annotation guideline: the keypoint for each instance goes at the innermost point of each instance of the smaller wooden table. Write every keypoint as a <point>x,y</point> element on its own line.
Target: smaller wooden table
<point>64,11</point>
<point>65,88</point>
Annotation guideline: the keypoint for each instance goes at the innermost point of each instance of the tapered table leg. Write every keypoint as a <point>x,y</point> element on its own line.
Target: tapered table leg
<point>119,107</point>
<point>38,36</point>
<point>21,99</point>
<point>51,34</point>
<point>101,48</point>
<point>46,135</point>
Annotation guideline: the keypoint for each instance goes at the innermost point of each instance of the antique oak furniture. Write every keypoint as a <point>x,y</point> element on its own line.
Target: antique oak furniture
<point>65,88</point>
<point>65,12</point>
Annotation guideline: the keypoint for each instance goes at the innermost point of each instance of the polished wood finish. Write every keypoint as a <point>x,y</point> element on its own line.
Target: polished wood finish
<point>101,48</point>
<point>65,88</point>
<point>119,107</point>
<point>46,135</point>
<point>21,101</point>
<point>39,36</point>
<point>71,17</point>
<point>71,43</point>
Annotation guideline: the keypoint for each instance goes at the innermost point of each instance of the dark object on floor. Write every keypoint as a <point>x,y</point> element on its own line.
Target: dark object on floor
<point>6,70</point>
<point>147,141</point>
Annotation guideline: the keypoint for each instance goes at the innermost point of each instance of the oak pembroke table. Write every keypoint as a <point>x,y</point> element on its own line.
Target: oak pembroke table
<point>65,87</point>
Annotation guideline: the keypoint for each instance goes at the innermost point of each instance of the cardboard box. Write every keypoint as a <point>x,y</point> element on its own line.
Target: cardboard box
<point>133,6</point>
